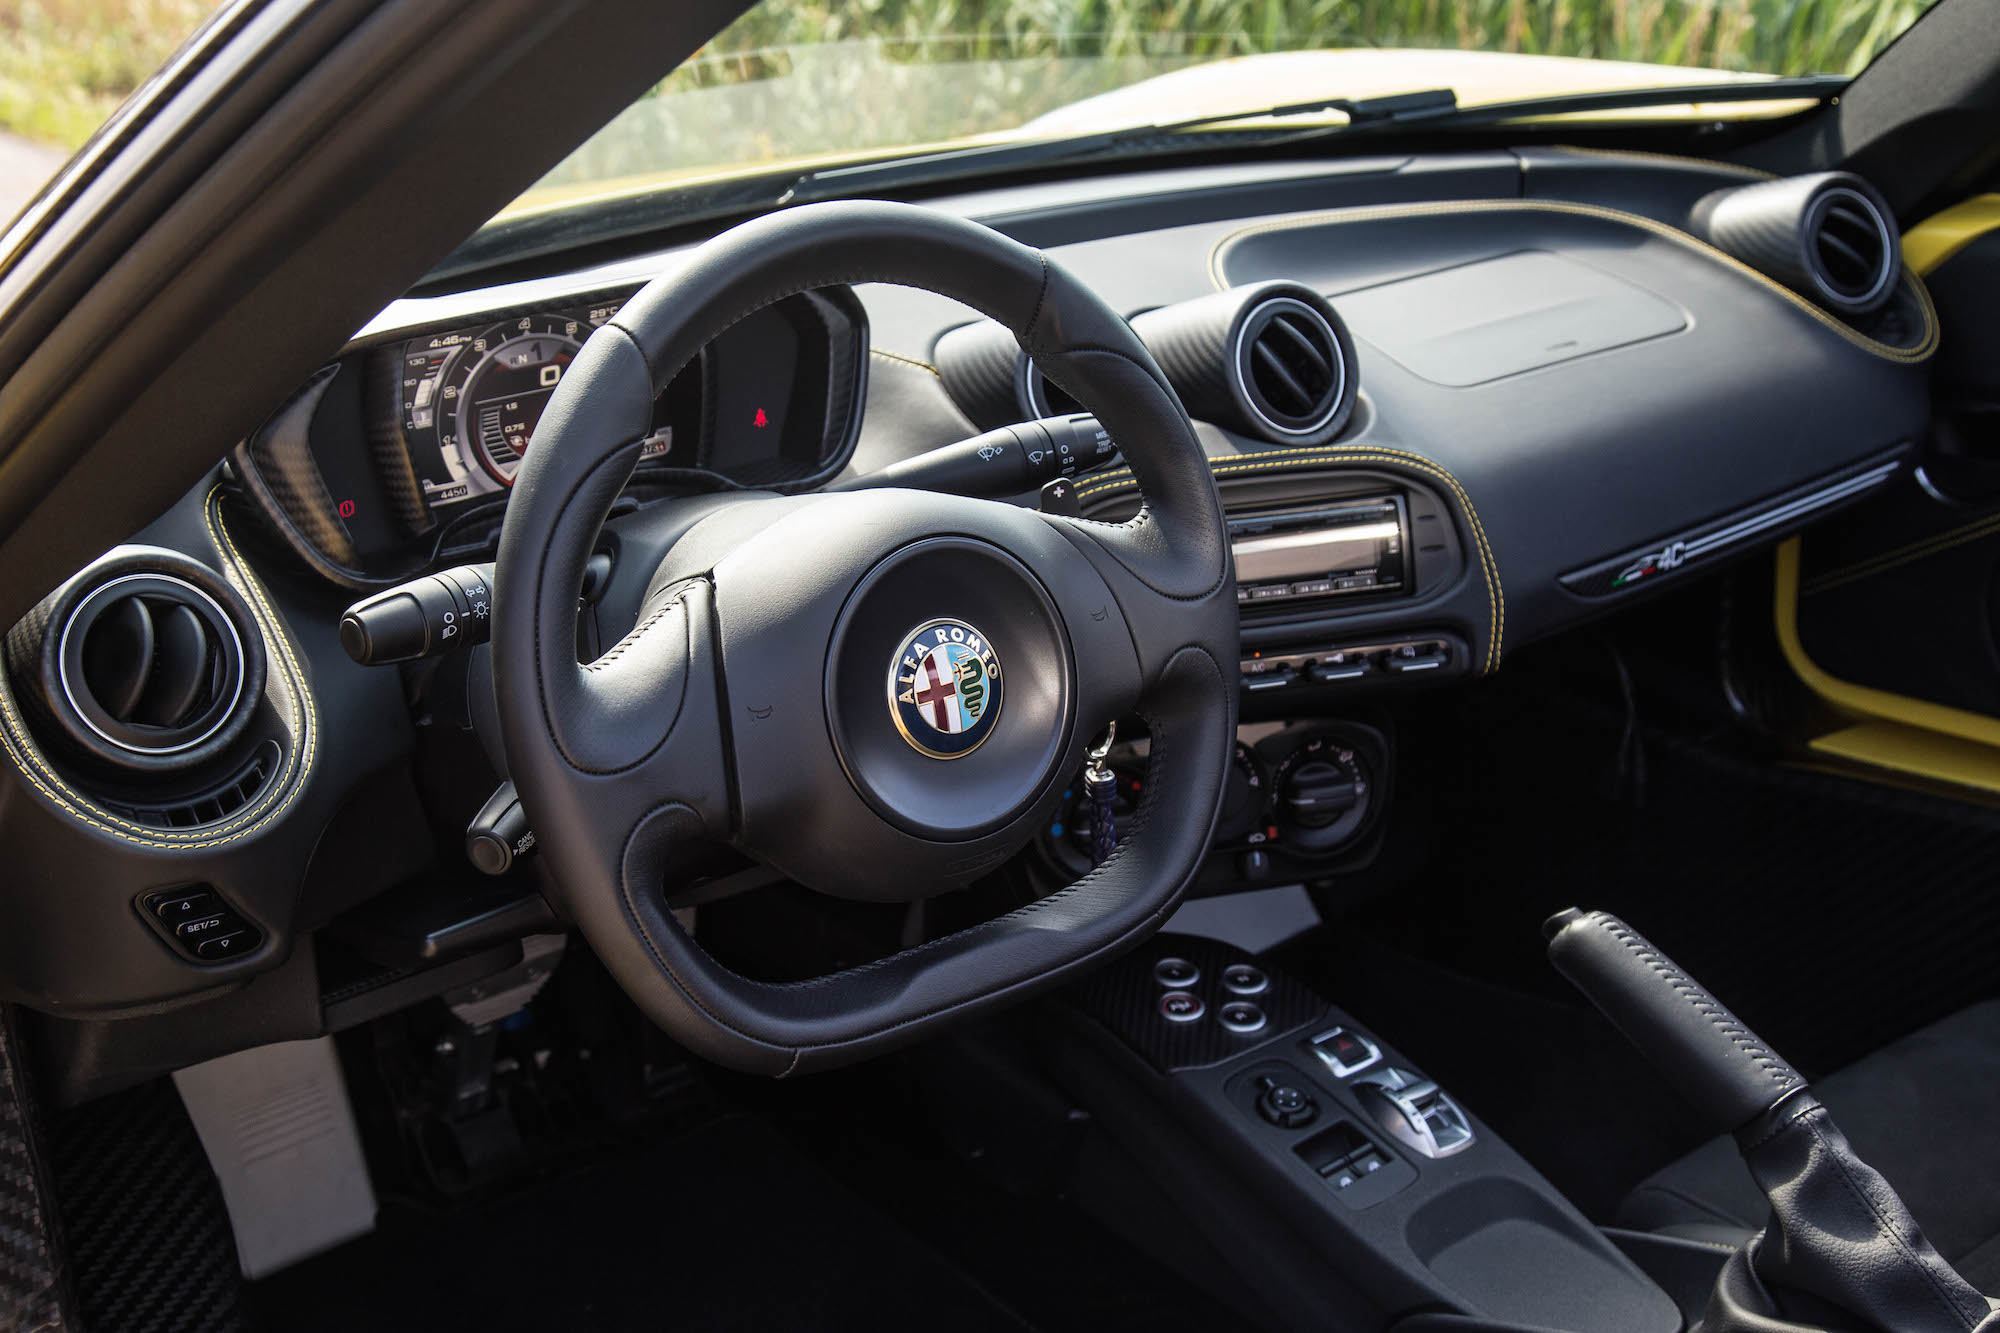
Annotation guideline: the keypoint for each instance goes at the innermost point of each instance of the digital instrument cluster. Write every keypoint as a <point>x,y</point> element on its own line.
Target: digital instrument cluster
<point>473,397</point>
<point>401,453</point>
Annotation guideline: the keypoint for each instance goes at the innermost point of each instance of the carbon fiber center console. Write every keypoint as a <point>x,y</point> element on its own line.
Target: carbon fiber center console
<point>1343,1186</point>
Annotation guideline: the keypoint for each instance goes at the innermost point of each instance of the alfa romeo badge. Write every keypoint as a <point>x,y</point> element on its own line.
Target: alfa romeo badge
<point>944,688</point>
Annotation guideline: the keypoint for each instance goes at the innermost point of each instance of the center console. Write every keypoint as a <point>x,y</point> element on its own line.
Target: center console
<point>1341,1186</point>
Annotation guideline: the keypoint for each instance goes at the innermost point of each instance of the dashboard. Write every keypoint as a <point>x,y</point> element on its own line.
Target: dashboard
<point>1453,405</point>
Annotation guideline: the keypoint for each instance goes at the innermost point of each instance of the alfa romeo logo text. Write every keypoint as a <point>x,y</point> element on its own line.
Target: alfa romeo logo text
<point>944,688</point>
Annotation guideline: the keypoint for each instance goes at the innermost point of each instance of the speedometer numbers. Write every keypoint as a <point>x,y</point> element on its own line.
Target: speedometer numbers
<point>478,395</point>
<point>496,387</point>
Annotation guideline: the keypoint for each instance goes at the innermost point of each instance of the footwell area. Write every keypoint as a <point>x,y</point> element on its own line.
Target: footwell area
<point>728,1227</point>
<point>602,1181</point>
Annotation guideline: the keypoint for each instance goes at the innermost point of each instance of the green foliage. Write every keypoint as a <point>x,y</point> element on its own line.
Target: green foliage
<point>66,64</point>
<point>965,65</point>
<point>1762,36</point>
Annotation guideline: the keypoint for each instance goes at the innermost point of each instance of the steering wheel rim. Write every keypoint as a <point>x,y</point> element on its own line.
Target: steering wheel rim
<point>623,761</point>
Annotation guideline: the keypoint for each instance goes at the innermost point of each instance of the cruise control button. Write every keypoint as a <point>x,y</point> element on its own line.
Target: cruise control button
<point>174,908</point>
<point>216,948</point>
<point>212,923</point>
<point>1243,979</point>
<point>1176,973</point>
<point>1180,1006</point>
<point>1241,1016</point>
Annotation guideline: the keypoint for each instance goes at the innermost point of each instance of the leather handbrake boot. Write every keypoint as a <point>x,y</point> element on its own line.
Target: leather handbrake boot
<point>1840,1251</point>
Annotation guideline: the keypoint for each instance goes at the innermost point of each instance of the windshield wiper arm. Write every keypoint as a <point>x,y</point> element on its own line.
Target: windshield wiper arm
<point>829,182</point>
<point>1807,87</point>
<point>1803,88</point>
<point>1432,105</point>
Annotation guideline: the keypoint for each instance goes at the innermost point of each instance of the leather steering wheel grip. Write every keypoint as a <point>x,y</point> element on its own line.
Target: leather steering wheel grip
<point>621,763</point>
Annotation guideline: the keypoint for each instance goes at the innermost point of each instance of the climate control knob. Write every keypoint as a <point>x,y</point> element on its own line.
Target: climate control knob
<point>1319,791</point>
<point>1322,794</point>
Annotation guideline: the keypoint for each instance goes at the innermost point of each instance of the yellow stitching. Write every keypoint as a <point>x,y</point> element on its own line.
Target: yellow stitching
<point>1496,595</point>
<point>19,745</point>
<point>906,360</point>
<point>1335,217</point>
<point>1902,555</point>
<point>1755,173</point>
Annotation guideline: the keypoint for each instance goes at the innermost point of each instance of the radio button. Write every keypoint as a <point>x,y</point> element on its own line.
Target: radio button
<point>1264,592</point>
<point>1312,588</point>
<point>1270,680</point>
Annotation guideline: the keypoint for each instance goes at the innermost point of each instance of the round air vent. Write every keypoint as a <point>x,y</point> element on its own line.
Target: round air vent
<point>1854,250</point>
<point>1290,363</point>
<point>1272,360</point>
<point>1828,236</point>
<point>147,661</point>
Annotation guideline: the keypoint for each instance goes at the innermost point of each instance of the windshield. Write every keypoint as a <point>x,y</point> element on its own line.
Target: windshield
<point>799,84</point>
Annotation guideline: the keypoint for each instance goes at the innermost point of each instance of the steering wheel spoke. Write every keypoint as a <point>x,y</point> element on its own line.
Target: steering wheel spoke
<point>1162,619</point>
<point>637,731</point>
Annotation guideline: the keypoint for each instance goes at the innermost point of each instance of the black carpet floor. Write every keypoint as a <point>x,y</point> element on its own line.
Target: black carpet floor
<point>729,1227</point>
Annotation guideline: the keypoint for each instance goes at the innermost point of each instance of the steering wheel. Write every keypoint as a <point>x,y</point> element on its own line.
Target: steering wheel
<point>879,693</point>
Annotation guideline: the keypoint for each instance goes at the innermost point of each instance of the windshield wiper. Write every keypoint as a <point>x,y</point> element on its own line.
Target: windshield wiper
<point>1432,106</point>
<point>1802,88</point>
<point>836,182</point>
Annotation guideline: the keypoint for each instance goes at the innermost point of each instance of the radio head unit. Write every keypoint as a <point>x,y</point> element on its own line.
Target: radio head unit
<point>1342,548</point>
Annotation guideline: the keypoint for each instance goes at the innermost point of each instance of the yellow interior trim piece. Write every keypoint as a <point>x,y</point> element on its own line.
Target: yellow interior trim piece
<point>1942,235</point>
<point>1912,750</point>
<point>1218,256</point>
<point>1892,730</point>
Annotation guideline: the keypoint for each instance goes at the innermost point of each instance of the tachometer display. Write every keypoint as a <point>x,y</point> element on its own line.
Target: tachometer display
<point>500,383</point>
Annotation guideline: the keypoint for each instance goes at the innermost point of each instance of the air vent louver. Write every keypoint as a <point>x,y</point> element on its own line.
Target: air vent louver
<point>1292,364</point>
<point>1853,247</point>
<point>147,661</point>
<point>151,663</point>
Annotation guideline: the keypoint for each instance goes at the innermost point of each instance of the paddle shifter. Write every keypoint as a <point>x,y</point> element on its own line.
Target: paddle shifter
<point>1840,1250</point>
